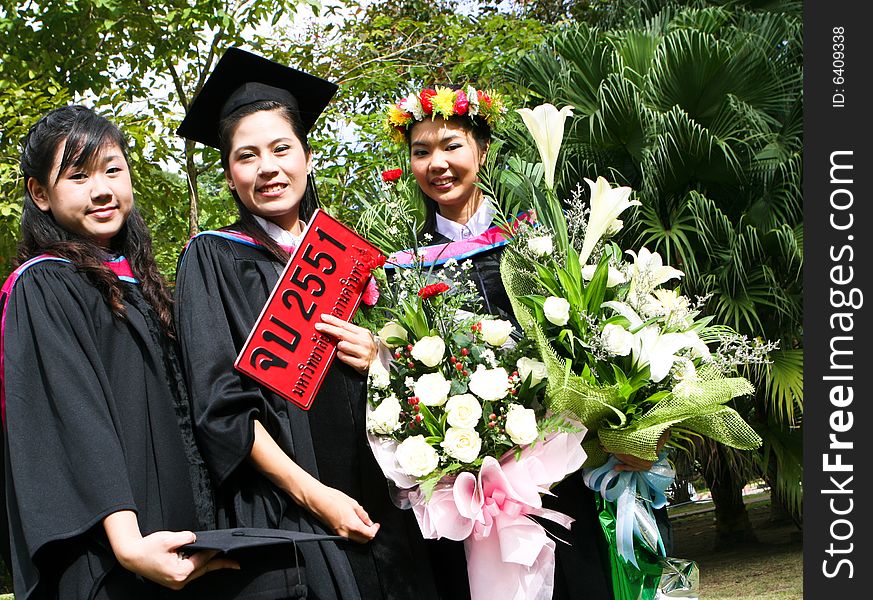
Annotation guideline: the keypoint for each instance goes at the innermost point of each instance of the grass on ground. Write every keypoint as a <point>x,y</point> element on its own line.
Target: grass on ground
<point>771,569</point>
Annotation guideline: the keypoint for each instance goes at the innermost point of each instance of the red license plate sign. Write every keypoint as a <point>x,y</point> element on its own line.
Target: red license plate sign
<point>327,273</point>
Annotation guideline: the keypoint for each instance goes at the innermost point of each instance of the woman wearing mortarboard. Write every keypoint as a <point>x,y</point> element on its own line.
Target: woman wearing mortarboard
<point>274,464</point>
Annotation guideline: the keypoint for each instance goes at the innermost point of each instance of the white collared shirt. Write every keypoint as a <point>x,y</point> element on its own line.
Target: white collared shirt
<point>279,235</point>
<point>477,225</point>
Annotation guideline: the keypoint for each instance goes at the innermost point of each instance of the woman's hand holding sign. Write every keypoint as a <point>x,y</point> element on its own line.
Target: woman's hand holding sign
<point>356,346</point>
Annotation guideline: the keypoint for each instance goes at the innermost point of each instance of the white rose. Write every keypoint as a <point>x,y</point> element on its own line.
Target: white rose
<point>495,331</point>
<point>392,329</point>
<point>462,444</point>
<point>416,457</point>
<point>379,376</point>
<point>521,425</point>
<point>429,350</point>
<point>534,368</point>
<point>616,339</point>
<point>557,310</point>
<point>613,275</point>
<point>385,418</point>
<point>540,245</point>
<point>432,389</point>
<point>463,411</point>
<point>489,384</point>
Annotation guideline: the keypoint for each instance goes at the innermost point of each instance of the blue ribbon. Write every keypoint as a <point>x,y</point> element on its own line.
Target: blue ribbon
<point>625,488</point>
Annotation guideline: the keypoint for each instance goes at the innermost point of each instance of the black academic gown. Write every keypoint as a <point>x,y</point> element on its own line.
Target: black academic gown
<point>582,564</point>
<point>91,428</point>
<point>221,287</point>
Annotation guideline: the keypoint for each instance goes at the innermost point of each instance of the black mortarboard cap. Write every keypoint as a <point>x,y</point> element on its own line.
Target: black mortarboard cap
<point>228,540</point>
<point>242,78</point>
<point>248,546</point>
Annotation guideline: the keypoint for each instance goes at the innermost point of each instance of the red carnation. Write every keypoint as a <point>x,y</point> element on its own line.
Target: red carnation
<point>391,175</point>
<point>424,97</point>
<point>433,289</point>
<point>371,261</point>
<point>461,103</point>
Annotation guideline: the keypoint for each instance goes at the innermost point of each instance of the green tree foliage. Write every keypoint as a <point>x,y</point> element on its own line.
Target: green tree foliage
<point>381,51</point>
<point>20,100</point>
<point>699,109</point>
<point>141,64</point>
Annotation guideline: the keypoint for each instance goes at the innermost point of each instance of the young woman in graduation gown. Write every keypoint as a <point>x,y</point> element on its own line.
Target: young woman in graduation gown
<point>445,157</point>
<point>274,464</point>
<point>99,453</point>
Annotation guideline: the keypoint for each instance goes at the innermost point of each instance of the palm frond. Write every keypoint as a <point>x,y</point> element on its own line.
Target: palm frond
<point>710,19</point>
<point>587,61</point>
<point>714,227</point>
<point>777,197</point>
<point>672,233</point>
<point>683,150</point>
<point>787,446</point>
<point>619,122</point>
<point>784,385</point>
<point>691,70</point>
<point>635,51</point>
<point>539,72</point>
<point>786,251</point>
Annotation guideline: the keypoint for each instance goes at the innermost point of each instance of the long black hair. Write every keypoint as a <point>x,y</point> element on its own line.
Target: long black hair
<point>309,202</point>
<point>84,134</point>
<point>476,126</point>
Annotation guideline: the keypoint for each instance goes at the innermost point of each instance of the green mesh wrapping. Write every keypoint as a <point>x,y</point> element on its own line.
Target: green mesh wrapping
<point>700,407</point>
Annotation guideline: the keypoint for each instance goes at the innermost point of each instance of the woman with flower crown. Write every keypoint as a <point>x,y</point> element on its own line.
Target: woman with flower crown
<point>447,130</point>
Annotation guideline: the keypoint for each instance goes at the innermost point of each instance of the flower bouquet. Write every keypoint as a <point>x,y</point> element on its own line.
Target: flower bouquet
<point>624,350</point>
<point>456,421</point>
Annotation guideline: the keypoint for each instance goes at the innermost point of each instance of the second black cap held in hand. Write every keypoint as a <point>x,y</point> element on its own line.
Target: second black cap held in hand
<point>227,540</point>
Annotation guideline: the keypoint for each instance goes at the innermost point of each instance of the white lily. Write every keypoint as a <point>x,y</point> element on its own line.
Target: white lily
<point>658,351</point>
<point>699,349</point>
<point>670,304</point>
<point>606,204</point>
<point>546,126</point>
<point>651,347</point>
<point>625,310</point>
<point>648,272</point>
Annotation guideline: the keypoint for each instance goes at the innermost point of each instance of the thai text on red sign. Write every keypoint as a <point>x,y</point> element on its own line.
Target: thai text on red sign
<point>327,273</point>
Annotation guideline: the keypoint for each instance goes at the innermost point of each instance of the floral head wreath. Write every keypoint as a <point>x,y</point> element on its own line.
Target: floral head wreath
<point>443,102</point>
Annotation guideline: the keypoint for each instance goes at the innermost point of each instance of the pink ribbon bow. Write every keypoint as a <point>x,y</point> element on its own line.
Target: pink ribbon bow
<point>509,555</point>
